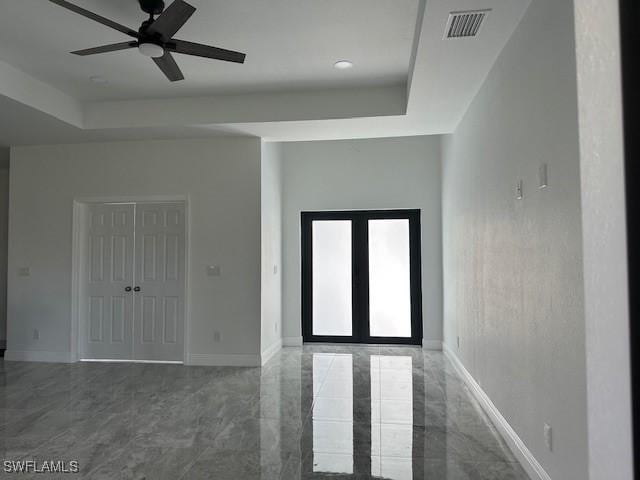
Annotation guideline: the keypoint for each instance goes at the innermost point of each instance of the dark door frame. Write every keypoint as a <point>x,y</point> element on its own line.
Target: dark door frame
<point>630,49</point>
<point>360,275</point>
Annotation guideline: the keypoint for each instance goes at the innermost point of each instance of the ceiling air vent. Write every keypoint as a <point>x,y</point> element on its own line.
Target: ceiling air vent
<point>465,24</point>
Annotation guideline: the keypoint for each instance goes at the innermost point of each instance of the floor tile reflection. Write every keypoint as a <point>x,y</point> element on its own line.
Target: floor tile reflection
<point>315,412</point>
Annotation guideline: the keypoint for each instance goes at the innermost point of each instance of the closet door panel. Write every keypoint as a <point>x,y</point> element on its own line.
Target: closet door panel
<point>107,307</point>
<point>160,274</point>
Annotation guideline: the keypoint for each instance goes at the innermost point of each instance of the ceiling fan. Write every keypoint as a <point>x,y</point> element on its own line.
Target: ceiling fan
<point>154,38</point>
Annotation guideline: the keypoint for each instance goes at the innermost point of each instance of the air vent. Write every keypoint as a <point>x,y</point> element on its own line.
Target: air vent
<point>465,24</point>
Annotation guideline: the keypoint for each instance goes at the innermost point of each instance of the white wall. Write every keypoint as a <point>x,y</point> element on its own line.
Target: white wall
<point>271,284</point>
<point>4,219</point>
<point>513,281</point>
<point>604,239</point>
<point>356,175</point>
<point>222,179</point>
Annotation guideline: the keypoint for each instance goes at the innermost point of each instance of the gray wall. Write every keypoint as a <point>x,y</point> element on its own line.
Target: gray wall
<point>513,281</point>
<point>357,175</point>
<point>604,233</point>
<point>271,279</point>
<point>222,179</point>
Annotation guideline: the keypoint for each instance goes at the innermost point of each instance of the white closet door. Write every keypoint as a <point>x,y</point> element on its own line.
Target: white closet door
<point>160,278</point>
<point>108,307</point>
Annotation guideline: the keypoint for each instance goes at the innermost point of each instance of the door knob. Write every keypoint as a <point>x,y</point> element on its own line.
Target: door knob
<point>137,289</point>
<point>127,289</point>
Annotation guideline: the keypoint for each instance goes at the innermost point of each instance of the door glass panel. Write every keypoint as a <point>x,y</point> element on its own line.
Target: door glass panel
<point>389,278</point>
<point>332,293</point>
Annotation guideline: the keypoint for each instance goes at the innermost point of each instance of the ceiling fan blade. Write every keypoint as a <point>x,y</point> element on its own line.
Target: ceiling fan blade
<point>106,48</point>
<point>96,18</point>
<point>172,19</point>
<point>169,67</point>
<point>199,50</point>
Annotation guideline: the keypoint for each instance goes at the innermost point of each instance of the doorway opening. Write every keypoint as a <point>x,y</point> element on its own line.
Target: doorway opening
<point>361,277</point>
<point>131,283</point>
<point>630,41</point>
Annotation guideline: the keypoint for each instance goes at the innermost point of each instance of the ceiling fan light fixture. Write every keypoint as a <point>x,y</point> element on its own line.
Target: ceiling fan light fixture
<point>151,50</point>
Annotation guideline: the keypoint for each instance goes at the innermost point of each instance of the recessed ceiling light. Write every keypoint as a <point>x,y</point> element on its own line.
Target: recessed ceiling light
<point>99,80</point>
<point>343,64</point>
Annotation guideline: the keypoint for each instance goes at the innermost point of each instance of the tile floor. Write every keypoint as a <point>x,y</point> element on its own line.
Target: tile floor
<point>312,413</point>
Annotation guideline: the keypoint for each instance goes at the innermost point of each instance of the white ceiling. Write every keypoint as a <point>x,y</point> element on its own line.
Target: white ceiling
<point>290,45</point>
<point>407,79</point>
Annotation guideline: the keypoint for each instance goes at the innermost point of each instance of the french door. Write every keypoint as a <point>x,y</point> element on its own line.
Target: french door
<point>108,299</point>
<point>134,282</point>
<point>361,277</point>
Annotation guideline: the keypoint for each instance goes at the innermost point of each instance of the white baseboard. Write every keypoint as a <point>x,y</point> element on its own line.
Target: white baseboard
<point>517,446</point>
<point>292,341</point>
<point>37,356</point>
<point>118,360</point>
<point>432,345</point>
<point>271,351</point>
<point>224,360</point>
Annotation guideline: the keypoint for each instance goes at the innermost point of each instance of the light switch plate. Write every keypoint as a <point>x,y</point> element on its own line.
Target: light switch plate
<point>543,179</point>
<point>213,270</point>
<point>548,437</point>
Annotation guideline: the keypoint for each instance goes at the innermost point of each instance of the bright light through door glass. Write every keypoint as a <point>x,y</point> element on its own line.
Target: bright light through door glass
<point>392,417</point>
<point>331,277</point>
<point>332,414</point>
<point>389,278</point>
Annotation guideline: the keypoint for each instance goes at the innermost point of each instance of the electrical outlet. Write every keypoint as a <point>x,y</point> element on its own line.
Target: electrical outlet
<point>548,437</point>
<point>216,336</point>
<point>214,270</point>
<point>24,271</point>
<point>36,334</point>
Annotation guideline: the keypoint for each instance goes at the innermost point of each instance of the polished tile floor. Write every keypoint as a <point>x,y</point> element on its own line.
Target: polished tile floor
<point>317,412</point>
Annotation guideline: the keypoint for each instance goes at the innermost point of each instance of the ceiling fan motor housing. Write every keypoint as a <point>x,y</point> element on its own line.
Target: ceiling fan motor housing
<point>152,7</point>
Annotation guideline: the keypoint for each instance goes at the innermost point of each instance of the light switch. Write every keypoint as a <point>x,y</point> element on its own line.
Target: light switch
<point>542,176</point>
<point>213,270</point>
<point>548,437</point>
<point>519,190</point>
<point>275,269</point>
<point>24,271</point>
